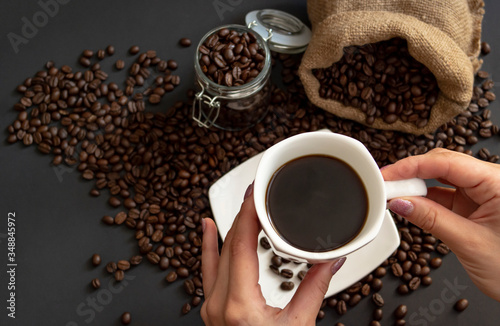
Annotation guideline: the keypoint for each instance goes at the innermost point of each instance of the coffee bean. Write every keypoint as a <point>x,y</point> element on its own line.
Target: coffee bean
<point>376,284</point>
<point>301,275</point>
<point>106,219</point>
<point>123,265</point>
<point>119,275</point>
<point>396,270</point>
<point>119,64</point>
<point>276,261</point>
<point>189,287</point>
<point>186,308</point>
<point>442,249</point>
<point>135,260</point>
<point>341,307</point>
<point>185,42</point>
<point>111,267</point>
<point>120,217</point>
<point>485,48</point>
<point>171,277</point>
<point>461,305</point>
<point>378,300</point>
<point>414,283</point>
<point>134,49</point>
<point>400,322</point>
<point>287,285</point>
<point>96,259</point>
<point>286,273</point>
<point>400,311</point>
<point>436,262</point>
<point>377,314</point>
<point>354,300</point>
<point>126,318</point>
<point>96,283</point>
<point>426,280</point>
<point>403,289</point>
<point>264,242</point>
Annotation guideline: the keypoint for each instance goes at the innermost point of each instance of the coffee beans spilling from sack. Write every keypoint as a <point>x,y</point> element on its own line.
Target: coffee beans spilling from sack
<point>383,81</point>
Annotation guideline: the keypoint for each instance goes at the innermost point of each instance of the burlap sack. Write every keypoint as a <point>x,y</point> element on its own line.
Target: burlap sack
<point>444,35</point>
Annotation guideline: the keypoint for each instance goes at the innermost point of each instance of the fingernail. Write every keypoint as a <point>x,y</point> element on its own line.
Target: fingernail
<point>385,167</point>
<point>249,191</point>
<point>336,266</point>
<point>401,207</point>
<point>203,224</point>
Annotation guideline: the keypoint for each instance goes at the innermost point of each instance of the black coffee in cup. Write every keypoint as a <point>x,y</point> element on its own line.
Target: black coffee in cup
<point>317,203</point>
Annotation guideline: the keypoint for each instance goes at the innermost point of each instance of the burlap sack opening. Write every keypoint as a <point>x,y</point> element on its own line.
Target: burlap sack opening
<point>442,35</point>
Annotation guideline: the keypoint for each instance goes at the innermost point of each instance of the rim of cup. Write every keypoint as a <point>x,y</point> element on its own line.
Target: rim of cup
<point>342,147</point>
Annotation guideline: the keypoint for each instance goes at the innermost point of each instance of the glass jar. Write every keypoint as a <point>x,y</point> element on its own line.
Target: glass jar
<point>240,107</point>
<point>235,107</point>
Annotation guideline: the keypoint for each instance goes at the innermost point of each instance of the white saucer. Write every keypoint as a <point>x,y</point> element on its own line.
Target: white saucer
<point>226,196</point>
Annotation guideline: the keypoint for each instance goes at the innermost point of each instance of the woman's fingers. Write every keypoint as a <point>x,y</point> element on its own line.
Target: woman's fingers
<point>458,169</point>
<point>311,291</point>
<point>244,264</point>
<point>436,219</point>
<point>210,255</point>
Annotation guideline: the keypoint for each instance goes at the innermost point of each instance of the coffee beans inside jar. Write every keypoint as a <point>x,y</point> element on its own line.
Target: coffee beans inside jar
<point>231,58</point>
<point>383,81</point>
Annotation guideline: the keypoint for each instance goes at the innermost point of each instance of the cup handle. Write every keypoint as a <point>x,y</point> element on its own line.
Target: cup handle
<point>404,188</point>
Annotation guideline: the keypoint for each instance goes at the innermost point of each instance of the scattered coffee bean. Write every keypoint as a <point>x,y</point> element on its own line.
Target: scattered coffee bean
<point>485,48</point>
<point>126,318</point>
<point>442,249</point>
<point>119,275</point>
<point>264,242</point>
<point>400,322</point>
<point>414,283</point>
<point>378,300</point>
<point>96,283</point>
<point>123,265</point>
<point>134,49</point>
<point>426,280</point>
<point>111,267</point>
<point>377,314</point>
<point>461,305</point>
<point>185,42</point>
<point>400,311</point>
<point>119,64</point>
<point>287,285</point>
<point>436,262</point>
<point>96,259</point>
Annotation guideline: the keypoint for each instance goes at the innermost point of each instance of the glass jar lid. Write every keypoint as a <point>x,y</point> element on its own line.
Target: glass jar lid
<point>283,32</point>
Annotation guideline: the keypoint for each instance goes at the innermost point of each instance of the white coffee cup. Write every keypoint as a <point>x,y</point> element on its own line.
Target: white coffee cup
<point>352,152</point>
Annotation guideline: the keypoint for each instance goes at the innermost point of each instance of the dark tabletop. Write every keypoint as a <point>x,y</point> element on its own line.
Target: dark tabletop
<point>58,224</point>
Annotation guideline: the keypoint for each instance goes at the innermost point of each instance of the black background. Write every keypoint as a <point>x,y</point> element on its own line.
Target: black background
<point>58,224</point>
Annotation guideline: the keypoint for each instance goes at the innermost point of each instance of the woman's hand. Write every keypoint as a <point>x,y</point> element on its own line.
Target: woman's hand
<point>466,217</point>
<point>230,282</point>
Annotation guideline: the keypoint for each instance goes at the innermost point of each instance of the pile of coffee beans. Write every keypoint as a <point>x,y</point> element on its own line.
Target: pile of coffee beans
<point>383,80</point>
<point>158,167</point>
<point>230,58</point>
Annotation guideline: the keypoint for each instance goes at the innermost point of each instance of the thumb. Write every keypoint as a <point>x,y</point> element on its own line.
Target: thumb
<point>436,219</point>
<point>311,291</point>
